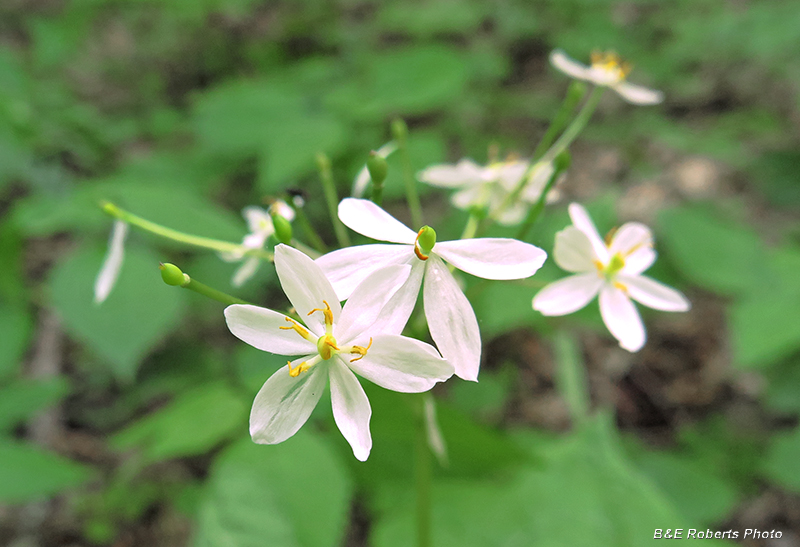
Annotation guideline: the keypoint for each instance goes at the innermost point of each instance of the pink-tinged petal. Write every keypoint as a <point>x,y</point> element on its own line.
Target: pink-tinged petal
<point>569,66</point>
<point>261,328</point>
<point>112,264</point>
<point>653,294</point>
<point>398,309</point>
<point>351,409</point>
<point>306,286</point>
<point>368,300</point>
<point>567,295</point>
<point>492,258</point>
<point>583,222</point>
<point>622,318</point>
<point>284,403</point>
<point>637,94</point>
<point>464,173</point>
<point>573,251</point>
<point>366,218</point>
<point>401,364</point>
<point>245,271</point>
<point>347,268</point>
<point>451,320</point>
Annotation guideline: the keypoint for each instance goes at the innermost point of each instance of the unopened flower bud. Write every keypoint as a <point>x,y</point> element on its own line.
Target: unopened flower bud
<point>283,228</point>
<point>426,239</point>
<point>377,167</point>
<point>399,130</point>
<point>172,275</point>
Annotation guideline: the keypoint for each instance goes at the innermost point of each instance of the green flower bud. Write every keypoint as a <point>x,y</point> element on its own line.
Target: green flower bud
<point>377,167</point>
<point>283,228</point>
<point>426,239</point>
<point>399,131</point>
<point>172,275</point>
<point>562,161</point>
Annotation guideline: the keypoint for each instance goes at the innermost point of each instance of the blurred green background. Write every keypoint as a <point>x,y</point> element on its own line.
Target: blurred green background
<point>126,424</point>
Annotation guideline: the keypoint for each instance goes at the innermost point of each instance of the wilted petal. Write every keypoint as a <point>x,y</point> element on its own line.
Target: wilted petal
<point>366,218</point>
<point>637,94</point>
<point>246,271</point>
<point>492,258</point>
<point>112,264</point>
<point>398,309</point>
<point>305,285</point>
<point>465,172</point>
<point>567,295</point>
<point>261,328</point>
<point>622,318</point>
<point>348,267</point>
<point>284,404</point>
<point>368,300</point>
<point>583,222</point>
<point>573,251</point>
<point>451,320</point>
<point>401,364</point>
<point>569,66</point>
<point>351,409</point>
<point>653,294</point>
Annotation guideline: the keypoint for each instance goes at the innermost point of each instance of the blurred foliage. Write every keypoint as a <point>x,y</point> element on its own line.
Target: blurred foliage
<point>186,111</point>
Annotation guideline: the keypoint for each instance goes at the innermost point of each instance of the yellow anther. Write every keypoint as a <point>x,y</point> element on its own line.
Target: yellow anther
<point>298,328</point>
<point>360,351</point>
<point>599,265</point>
<point>610,236</point>
<point>326,312</point>
<point>621,287</point>
<point>295,372</point>
<point>611,63</point>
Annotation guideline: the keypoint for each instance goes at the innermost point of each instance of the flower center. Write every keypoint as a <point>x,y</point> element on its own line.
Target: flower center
<point>423,245</point>
<point>610,64</point>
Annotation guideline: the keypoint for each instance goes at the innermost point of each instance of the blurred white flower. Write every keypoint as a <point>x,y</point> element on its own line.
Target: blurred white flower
<point>451,320</point>
<point>606,70</point>
<point>490,186</point>
<point>334,343</point>
<point>260,224</point>
<point>611,269</point>
<point>112,264</point>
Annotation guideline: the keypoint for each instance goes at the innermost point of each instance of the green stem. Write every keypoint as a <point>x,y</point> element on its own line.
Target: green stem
<point>329,187</point>
<point>575,93</point>
<point>377,193</point>
<point>571,376</point>
<point>172,275</point>
<point>577,125</point>
<point>423,472</point>
<point>536,210</point>
<point>316,241</point>
<point>181,237</point>
<point>471,228</point>
<point>400,131</point>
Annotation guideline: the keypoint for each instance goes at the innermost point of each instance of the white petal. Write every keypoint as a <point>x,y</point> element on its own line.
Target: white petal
<point>112,263</point>
<point>261,328</point>
<point>464,173</point>
<point>508,174</point>
<point>366,218</point>
<point>434,432</point>
<point>351,409</point>
<point>362,179</point>
<point>631,237</point>
<point>492,258</point>
<point>347,268</point>
<point>368,300</point>
<point>401,364</point>
<point>306,286</point>
<point>512,215</point>
<point>637,94</point>
<point>639,261</point>
<point>653,294</point>
<point>569,66</point>
<point>283,209</point>
<point>567,295</point>
<point>246,271</point>
<point>583,222</point>
<point>540,175</point>
<point>573,251</point>
<point>257,219</point>
<point>284,404</point>
<point>398,309</point>
<point>451,320</point>
<point>466,198</point>
<point>622,318</point>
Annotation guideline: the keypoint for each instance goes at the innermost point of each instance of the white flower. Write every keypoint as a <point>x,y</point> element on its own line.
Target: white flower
<point>333,344</point>
<point>362,179</point>
<point>613,270</point>
<point>490,186</point>
<point>451,321</point>
<point>260,225</point>
<point>606,70</point>
<point>112,264</point>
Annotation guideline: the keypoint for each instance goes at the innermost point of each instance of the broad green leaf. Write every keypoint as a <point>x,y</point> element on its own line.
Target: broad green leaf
<point>782,463</point>
<point>29,473</point>
<point>783,393</point>
<point>22,398</point>
<point>194,423</point>
<point>431,18</point>
<point>294,494</point>
<point>775,173</point>
<point>140,312</point>
<point>719,255</point>
<point>15,324</point>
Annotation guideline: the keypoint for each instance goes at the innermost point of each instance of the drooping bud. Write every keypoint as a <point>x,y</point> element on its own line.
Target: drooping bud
<point>172,275</point>
<point>426,239</point>
<point>283,228</point>
<point>377,167</point>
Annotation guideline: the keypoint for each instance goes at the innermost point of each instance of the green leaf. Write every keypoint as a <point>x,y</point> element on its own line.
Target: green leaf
<point>140,312</point>
<point>776,174</point>
<point>29,473</point>
<point>194,423</point>
<point>782,463</point>
<point>15,324</point>
<point>783,393</point>
<point>22,398</point>
<point>719,255</point>
<point>294,494</point>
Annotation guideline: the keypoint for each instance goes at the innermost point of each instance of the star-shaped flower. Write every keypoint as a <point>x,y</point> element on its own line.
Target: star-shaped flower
<point>451,320</point>
<point>490,186</point>
<point>613,270</point>
<point>334,343</point>
<point>606,70</point>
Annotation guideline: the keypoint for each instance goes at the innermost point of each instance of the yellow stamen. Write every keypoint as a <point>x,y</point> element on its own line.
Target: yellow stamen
<point>295,372</point>
<point>621,287</point>
<point>328,315</point>
<point>610,62</point>
<point>298,328</point>
<point>360,351</point>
